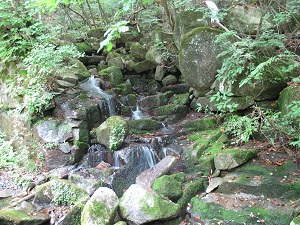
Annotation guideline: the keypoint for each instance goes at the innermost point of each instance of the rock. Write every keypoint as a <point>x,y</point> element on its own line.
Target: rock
<point>59,192</point>
<point>138,51</point>
<point>159,72</point>
<point>147,177</point>
<point>296,221</point>
<point>233,104</point>
<point>176,88</point>
<point>143,66</point>
<point>231,158</point>
<point>84,48</point>
<point>77,68</point>
<point>112,132</point>
<point>141,205</point>
<point>113,74</point>
<point>154,101</point>
<point>23,217</point>
<point>197,58</point>
<point>143,125</point>
<point>101,208</point>
<point>60,173</point>
<point>154,55</point>
<point>174,112</point>
<point>5,194</point>
<point>88,184</point>
<point>169,186</point>
<point>207,123</point>
<point>185,21</point>
<point>121,223</point>
<point>117,61</point>
<point>170,79</point>
<point>287,96</point>
<point>247,18</point>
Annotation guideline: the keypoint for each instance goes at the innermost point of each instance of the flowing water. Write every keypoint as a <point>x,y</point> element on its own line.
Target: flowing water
<point>105,100</point>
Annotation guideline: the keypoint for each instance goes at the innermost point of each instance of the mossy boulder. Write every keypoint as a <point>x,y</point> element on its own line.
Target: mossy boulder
<point>121,223</point>
<point>155,56</point>
<point>123,89</point>
<point>60,192</point>
<point>198,60</point>
<point>180,99</point>
<point>112,132</point>
<point>23,217</point>
<point>169,186</point>
<point>143,125</point>
<point>101,208</point>
<point>78,69</point>
<point>113,74</point>
<point>83,47</point>
<point>169,79</point>
<point>140,205</point>
<point>117,61</point>
<point>231,158</point>
<point>154,101</point>
<point>207,123</point>
<point>137,51</point>
<point>185,21</point>
<point>287,96</point>
<point>143,66</point>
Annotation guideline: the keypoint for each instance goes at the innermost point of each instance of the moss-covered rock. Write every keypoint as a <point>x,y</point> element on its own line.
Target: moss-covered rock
<point>287,96</point>
<point>180,99</point>
<point>170,79</point>
<point>143,66</point>
<point>121,223</point>
<point>113,74</point>
<point>169,186</point>
<point>231,158</point>
<point>78,69</point>
<point>60,192</point>
<point>190,190</point>
<point>148,206</point>
<point>137,51</point>
<point>22,217</point>
<point>83,47</point>
<point>143,125</point>
<point>101,208</point>
<point>123,89</point>
<point>206,123</point>
<point>112,132</point>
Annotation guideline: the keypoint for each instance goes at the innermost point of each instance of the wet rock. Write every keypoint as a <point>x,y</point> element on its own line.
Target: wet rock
<point>101,208</point>
<point>113,74</point>
<point>112,132</point>
<point>147,177</point>
<point>176,88</point>
<point>154,101</point>
<point>231,158</point>
<point>169,186</point>
<point>143,125</point>
<point>174,113</point>
<point>140,205</point>
<point>197,58</point>
<point>20,217</point>
<point>59,192</point>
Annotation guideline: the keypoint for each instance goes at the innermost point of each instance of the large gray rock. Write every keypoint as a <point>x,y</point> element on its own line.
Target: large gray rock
<point>185,21</point>
<point>101,208</point>
<point>287,96</point>
<point>140,205</point>
<point>197,58</point>
<point>147,177</point>
<point>247,18</point>
<point>231,158</point>
<point>112,132</point>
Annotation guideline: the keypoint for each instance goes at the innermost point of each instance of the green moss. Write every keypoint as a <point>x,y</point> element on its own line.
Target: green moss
<point>201,124</point>
<point>83,47</point>
<point>180,99</point>
<point>216,213</point>
<point>190,190</point>
<point>143,125</point>
<point>113,74</point>
<point>143,66</point>
<point>124,89</point>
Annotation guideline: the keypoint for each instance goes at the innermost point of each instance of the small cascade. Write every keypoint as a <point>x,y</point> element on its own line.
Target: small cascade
<point>92,86</point>
<point>97,154</point>
<point>137,114</point>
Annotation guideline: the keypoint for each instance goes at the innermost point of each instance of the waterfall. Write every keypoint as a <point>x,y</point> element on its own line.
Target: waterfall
<point>92,86</point>
<point>137,114</point>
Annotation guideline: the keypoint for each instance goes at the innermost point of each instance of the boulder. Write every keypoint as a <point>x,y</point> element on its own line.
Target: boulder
<point>118,62</point>
<point>59,192</point>
<point>231,158</point>
<point>101,208</point>
<point>143,66</point>
<point>155,55</point>
<point>112,132</point>
<point>170,79</point>
<point>154,101</point>
<point>147,177</point>
<point>185,21</point>
<point>169,186</point>
<point>247,18</point>
<point>143,125</point>
<point>88,184</point>
<point>138,51</point>
<point>140,205</point>
<point>287,96</point>
<point>23,217</point>
<point>159,72</point>
<point>198,60</point>
<point>113,74</point>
